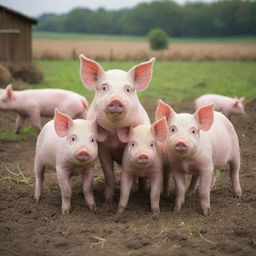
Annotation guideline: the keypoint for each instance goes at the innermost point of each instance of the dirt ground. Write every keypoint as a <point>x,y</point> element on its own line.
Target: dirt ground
<point>31,228</point>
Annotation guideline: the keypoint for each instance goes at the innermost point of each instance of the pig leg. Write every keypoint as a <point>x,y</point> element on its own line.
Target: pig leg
<point>179,179</point>
<point>87,177</point>
<point>39,173</point>
<point>126,185</point>
<point>142,184</point>
<point>204,190</point>
<point>166,179</point>
<point>234,176</point>
<point>19,122</point>
<point>155,183</point>
<point>193,185</point>
<point>36,120</point>
<point>66,192</point>
<point>108,169</point>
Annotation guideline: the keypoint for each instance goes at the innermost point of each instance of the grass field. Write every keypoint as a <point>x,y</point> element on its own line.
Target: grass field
<point>171,80</point>
<point>91,37</point>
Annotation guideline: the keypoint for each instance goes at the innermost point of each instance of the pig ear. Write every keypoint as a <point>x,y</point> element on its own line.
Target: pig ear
<point>236,102</point>
<point>164,110</point>
<point>62,123</point>
<point>101,133</point>
<point>124,134</point>
<point>242,99</point>
<point>205,117</point>
<point>160,129</point>
<point>9,91</point>
<point>90,72</point>
<point>141,74</point>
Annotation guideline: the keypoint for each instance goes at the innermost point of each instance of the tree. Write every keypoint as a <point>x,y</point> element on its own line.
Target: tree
<point>158,39</point>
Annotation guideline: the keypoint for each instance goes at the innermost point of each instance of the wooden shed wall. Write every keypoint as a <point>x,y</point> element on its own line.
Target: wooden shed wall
<point>15,47</point>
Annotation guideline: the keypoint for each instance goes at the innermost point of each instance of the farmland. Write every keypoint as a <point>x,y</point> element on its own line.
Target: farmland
<point>124,48</point>
<point>39,228</point>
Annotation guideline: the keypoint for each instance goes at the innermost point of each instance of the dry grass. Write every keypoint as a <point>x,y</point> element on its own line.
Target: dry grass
<point>111,50</point>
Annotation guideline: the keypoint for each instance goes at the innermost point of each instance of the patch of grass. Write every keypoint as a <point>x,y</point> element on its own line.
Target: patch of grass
<point>93,37</point>
<point>172,81</point>
<point>17,177</point>
<point>24,133</point>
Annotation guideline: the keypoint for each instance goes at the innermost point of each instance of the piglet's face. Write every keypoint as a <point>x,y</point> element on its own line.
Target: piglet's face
<point>184,129</point>
<point>142,149</point>
<point>237,107</point>
<point>81,138</point>
<point>115,99</point>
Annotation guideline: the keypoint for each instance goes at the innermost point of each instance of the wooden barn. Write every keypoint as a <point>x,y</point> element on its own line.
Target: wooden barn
<point>15,36</point>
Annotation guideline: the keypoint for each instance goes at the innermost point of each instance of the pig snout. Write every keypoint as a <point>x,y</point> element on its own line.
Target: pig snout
<point>143,159</point>
<point>82,155</point>
<point>115,107</point>
<point>181,146</point>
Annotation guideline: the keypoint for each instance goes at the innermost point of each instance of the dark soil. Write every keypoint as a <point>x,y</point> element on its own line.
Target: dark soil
<point>31,228</point>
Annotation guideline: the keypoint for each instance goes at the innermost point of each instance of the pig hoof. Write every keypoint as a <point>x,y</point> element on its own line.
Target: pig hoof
<point>206,212</point>
<point>120,210</point>
<point>155,214</point>
<point>108,201</point>
<point>93,208</point>
<point>37,197</point>
<point>176,209</point>
<point>66,210</point>
<point>238,194</point>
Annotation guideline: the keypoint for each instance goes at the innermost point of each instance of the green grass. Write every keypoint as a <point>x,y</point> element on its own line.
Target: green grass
<point>172,81</point>
<point>24,133</point>
<point>75,36</point>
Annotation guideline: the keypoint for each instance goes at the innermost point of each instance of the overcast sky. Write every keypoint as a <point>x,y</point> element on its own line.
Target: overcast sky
<point>36,7</point>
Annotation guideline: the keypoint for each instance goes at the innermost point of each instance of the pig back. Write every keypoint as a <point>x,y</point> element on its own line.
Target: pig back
<point>223,139</point>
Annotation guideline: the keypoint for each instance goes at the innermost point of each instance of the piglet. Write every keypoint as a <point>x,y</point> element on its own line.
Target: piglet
<point>69,147</point>
<point>198,144</point>
<point>228,106</point>
<point>142,158</point>
<point>41,102</point>
<point>115,106</point>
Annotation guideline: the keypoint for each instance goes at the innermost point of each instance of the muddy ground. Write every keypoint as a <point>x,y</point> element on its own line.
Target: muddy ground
<point>31,228</point>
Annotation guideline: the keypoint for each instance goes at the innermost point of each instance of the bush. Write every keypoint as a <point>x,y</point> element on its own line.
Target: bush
<point>158,39</point>
<point>27,72</point>
<point>5,76</point>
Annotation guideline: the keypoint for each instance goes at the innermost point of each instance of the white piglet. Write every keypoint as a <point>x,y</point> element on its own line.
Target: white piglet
<point>199,144</point>
<point>69,147</point>
<point>41,102</point>
<point>226,105</point>
<point>115,106</point>
<point>143,158</point>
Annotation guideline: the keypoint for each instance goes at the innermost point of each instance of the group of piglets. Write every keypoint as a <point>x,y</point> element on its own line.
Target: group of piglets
<point>117,128</point>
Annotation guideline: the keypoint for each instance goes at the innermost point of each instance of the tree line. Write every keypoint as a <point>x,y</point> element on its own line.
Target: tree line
<point>198,19</point>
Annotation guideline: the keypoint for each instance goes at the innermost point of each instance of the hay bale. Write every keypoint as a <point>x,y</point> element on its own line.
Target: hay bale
<point>5,76</point>
<point>27,72</point>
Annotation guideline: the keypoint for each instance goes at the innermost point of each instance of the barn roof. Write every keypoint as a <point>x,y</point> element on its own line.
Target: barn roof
<point>31,20</point>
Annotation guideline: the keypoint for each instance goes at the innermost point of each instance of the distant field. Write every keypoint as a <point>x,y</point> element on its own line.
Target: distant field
<point>59,49</point>
<point>174,81</point>
<point>91,37</point>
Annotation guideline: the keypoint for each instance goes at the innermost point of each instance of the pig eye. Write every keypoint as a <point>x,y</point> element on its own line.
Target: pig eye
<point>128,89</point>
<point>132,143</point>
<point>73,137</point>
<point>173,129</point>
<point>92,140</point>
<point>104,87</point>
<point>152,145</point>
<point>194,131</point>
